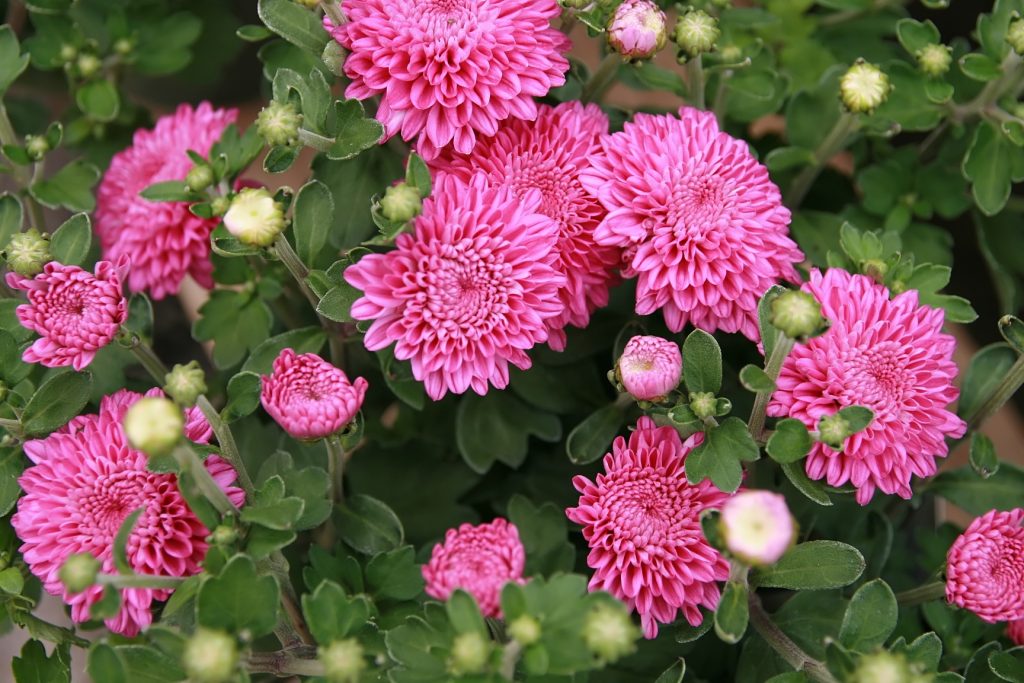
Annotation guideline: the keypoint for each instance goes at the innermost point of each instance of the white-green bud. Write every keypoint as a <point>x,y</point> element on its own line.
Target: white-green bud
<point>27,252</point>
<point>609,633</point>
<point>343,661</point>
<point>934,59</point>
<point>703,404</point>
<point>154,425</point>
<point>470,653</point>
<point>834,430</point>
<point>334,56</point>
<point>401,203</point>
<point>525,630</point>
<point>36,146</point>
<point>79,572</point>
<point>1015,35</point>
<point>88,64</point>
<point>185,383</point>
<point>797,314</point>
<point>199,178</point>
<point>864,87</point>
<point>254,217</point>
<point>210,657</point>
<point>278,124</point>
<point>696,32</point>
<point>68,53</point>
<point>882,667</point>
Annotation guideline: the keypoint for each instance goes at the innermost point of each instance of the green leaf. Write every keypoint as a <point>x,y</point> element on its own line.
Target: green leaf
<point>56,401</point>
<point>394,575</point>
<point>1006,666</point>
<point>239,599</point>
<point>417,174</point>
<point>1012,329</point>
<point>368,525</point>
<point>271,508</point>
<point>167,191</point>
<point>718,457</point>
<point>12,581</point>
<point>33,666</point>
<point>702,363</point>
<point>786,158</point>
<point>331,615</point>
<point>12,464</point>
<point>99,100</point>
<point>302,340</point>
<point>591,439</point>
<point>789,442</point>
<point>988,166</point>
<point>815,565</point>
<point>297,25</point>
<point>105,665</point>
<point>545,535</point>
<point>464,614</point>
<point>70,243</point>
<point>107,606</point>
<point>497,427</point>
<point>755,379</point>
<point>732,613</point>
<point>355,132</point>
<point>124,532</point>
<point>313,217</point>
<point>983,456</point>
<point>280,158</point>
<point>398,377</point>
<point>1003,490</point>
<point>313,92</point>
<point>70,187</point>
<point>10,217</point>
<point>12,62</point>
<point>980,67</point>
<point>336,304</point>
<point>764,325</point>
<point>914,35</point>
<point>870,618</point>
<point>243,396</point>
<point>857,417</point>
<point>673,674</point>
<point>253,33</point>
<point>987,369</point>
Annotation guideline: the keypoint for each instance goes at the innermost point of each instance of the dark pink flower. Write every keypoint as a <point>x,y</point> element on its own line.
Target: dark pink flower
<point>985,567</point>
<point>638,29</point>
<point>1015,631</point>
<point>76,313</point>
<point>650,367</point>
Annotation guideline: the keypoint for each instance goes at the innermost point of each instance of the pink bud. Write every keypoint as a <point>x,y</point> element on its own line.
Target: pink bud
<point>650,367</point>
<point>757,526</point>
<point>638,29</point>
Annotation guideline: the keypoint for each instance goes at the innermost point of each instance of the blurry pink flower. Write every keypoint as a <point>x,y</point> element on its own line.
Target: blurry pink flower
<point>547,155</point>
<point>309,397</point>
<point>165,240</point>
<point>704,227</point>
<point>641,519</point>
<point>650,367</point>
<point>1015,631</point>
<point>84,482</point>
<point>75,313</point>
<point>470,292</point>
<point>757,526</point>
<point>985,567</point>
<point>449,71</point>
<point>889,355</point>
<point>638,29</point>
<point>478,559</point>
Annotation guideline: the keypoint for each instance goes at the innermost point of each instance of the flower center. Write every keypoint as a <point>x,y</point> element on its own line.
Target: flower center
<point>108,500</point>
<point>878,377</point>
<point>466,288</point>
<point>697,203</point>
<point>646,509</point>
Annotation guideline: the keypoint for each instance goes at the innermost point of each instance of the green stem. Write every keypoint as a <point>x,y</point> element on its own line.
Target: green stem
<point>190,463</point>
<point>336,466</point>
<point>334,12</point>
<point>1009,385</point>
<point>320,143</point>
<point>295,661</point>
<point>139,581</point>
<point>601,78</point>
<point>291,629</point>
<point>833,143</point>
<point>695,81</point>
<point>22,176</point>
<point>44,630</point>
<point>148,359</point>
<point>509,659</point>
<point>993,90</point>
<point>784,645</point>
<point>13,426</point>
<point>758,415</point>
<point>228,448</point>
<point>926,593</point>
<point>721,90</point>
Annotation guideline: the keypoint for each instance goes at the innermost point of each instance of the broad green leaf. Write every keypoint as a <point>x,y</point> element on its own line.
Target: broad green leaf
<point>105,665</point>
<point>464,614</point>
<point>987,369</point>
<point>56,401</point>
<point>336,304</point>
<point>673,674</point>
<point>497,427</point>
<point>1002,490</point>
<point>33,666</point>
<point>702,363</point>
<point>718,457</point>
<point>302,340</point>
<point>99,100</point>
<point>167,191</point>
<point>253,33</point>
<point>12,62</point>
<point>755,379</point>
<point>870,618</point>
<point>1006,666</point>
<point>70,243</point>
<point>814,565</point>
<point>312,220</point>
<point>1012,329</point>
<point>12,464</point>
<point>271,508</point>
<point>983,456</point>
<point>980,67</point>
<point>239,599</point>
<point>732,613</point>
<point>857,417</point>
<point>12,581</point>
<point>368,525</point>
<point>418,175</point>
<point>789,442</point>
<point>294,23</point>
<point>914,35</point>
<point>394,575</point>
<point>70,187</point>
<point>331,615</point>
<point>988,165</point>
<point>354,132</point>
<point>243,396</point>
<point>544,531</point>
<point>280,158</point>
<point>10,217</point>
<point>592,438</point>
<point>398,377</point>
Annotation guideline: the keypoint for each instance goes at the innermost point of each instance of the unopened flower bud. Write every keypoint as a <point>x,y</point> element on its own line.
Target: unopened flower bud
<point>199,178</point>
<point>88,64</point>
<point>278,124</point>
<point>875,269</point>
<point>401,203</point>
<point>210,657</point>
<point>334,57</point>
<point>797,314</point>
<point>833,430</point>
<point>934,59</point>
<point>27,252</point>
<point>223,535</point>
<point>638,29</point>
<point>68,53</point>
<point>609,633</point>
<point>1015,35</point>
<point>731,53</point>
<point>703,404</point>
<point>220,205</point>
<point>343,661</point>
<point>696,32</point>
<point>154,425</point>
<point>650,367</point>
<point>308,4</point>
<point>254,217</point>
<point>36,147</point>
<point>79,572</point>
<point>863,87</point>
<point>470,652</point>
<point>525,630</point>
<point>185,383</point>
<point>757,526</point>
<point>882,667</point>
<point>124,46</point>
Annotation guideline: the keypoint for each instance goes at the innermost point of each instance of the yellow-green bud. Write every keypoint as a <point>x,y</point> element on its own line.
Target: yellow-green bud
<point>609,633</point>
<point>220,205</point>
<point>525,630</point>
<point>27,252</point>
<point>154,425</point>
<point>185,383</point>
<point>79,572</point>
<point>797,314</point>
<point>223,535</point>
<point>88,64</point>
<point>254,217</point>
<point>833,430</point>
<point>199,178</point>
<point>882,667</point>
<point>874,269</point>
<point>703,404</point>
<point>343,661</point>
<point>68,53</point>
<point>864,87</point>
<point>470,653</point>
<point>696,32</point>
<point>278,124</point>
<point>401,203</point>
<point>334,57</point>
<point>1015,35</point>
<point>731,53</point>
<point>124,46</point>
<point>36,147</point>
<point>934,59</point>
<point>210,657</point>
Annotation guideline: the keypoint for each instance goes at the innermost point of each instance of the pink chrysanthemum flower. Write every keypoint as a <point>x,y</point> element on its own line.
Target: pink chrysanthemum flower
<point>478,559</point>
<point>1015,631</point>
<point>985,567</point>
<point>309,397</point>
<point>470,292</point>
<point>704,227</point>
<point>84,482</point>
<point>757,526</point>
<point>641,519</point>
<point>76,313</point>
<point>650,367</point>
<point>449,71</point>
<point>547,155</point>
<point>889,355</point>
<point>165,240</point>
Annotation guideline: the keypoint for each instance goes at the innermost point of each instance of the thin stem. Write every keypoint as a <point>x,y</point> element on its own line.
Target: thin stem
<point>334,12</point>
<point>783,345</point>
<point>190,463</point>
<point>833,143</point>
<point>336,466</point>
<point>148,359</point>
<point>601,78</point>
<point>1009,385</point>
<point>228,448</point>
<point>320,143</point>
<point>509,659</point>
<point>139,581</point>
<point>695,81</point>
<point>721,90</point>
<point>993,90</point>
<point>926,593</point>
<point>12,426</point>
<point>292,630</point>
<point>22,175</point>
<point>42,629</point>
<point>781,643</point>
<point>297,661</point>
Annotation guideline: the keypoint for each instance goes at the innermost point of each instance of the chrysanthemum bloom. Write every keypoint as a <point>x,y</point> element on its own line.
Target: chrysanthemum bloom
<point>1015,631</point>
<point>757,526</point>
<point>309,397</point>
<point>76,313</point>
<point>478,559</point>
<point>548,155</point>
<point>889,355</point>
<point>641,519</point>
<point>84,482</point>
<point>650,367</point>
<point>985,567</point>
<point>703,225</point>
<point>449,71</point>
<point>638,29</point>
<point>165,240</point>
<point>470,292</point>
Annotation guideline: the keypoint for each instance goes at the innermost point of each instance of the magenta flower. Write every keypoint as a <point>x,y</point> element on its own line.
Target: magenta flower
<point>704,227</point>
<point>757,526</point>
<point>889,355</point>
<point>470,292</point>
<point>641,519</point>
<point>478,559</point>
<point>449,71</point>
<point>547,155</point>
<point>309,397</point>
<point>1015,631</point>
<point>84,482</point>
<point>650,367</point>
<point>165,240</point>
<point>75,313</point>
<point>638,29</point>
<point>985,567</point>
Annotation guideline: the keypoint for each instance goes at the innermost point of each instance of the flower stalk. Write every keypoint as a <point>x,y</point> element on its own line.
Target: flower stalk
<point>784,645</point>
<point>22,176</point>
<point>1009,385</point>
<point>139,580</point>
<point>758,415</point>
<point>834,142</point>
<point>599,81</point>
<point>294,661</point>
<point>190,463</point>
<point>695,80</point>
<point>925,593</point>
<point>335,466</point>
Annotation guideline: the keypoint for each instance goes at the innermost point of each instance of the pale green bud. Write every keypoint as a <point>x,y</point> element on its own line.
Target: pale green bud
<point>609,633</point>
<point>797,314</point>
<point>278,124</point>
<point>864,87</point>
<point>934,59</point>
<point>401,203</point>
<point>79,572</point>
<point>343,661</point>
<point>185,383</point>
<point>210,657</point>
<point>470,653</point>
<point>254,217</point>
<point>154,425</point>
<point>696,32</point>
<point>27,252</point>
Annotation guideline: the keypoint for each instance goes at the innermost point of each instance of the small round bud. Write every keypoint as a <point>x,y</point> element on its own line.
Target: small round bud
<point>650,367</point>
<point>154,425</point>
<point>278,124</point>
<point>68,53</point>
<point>525,630</point>
<point>934,59</point>
<point>254,217</point>
<point>199,178</point>
<point>185,383</point>
<point>124,46</point>
<point>797,314</point>
<point>833,430</point>
<point>731,53</point>
<point>863,87</point>
<point>220,205</point>
<point>609,633</point>
<point>79,572</point>
<point>88,64</point>
<point>703,404</point>
<point>638,29</point>
<point>308,4</point>
<point>1015,35</point>
<point>875,269</point>
<point>757,526</point>
<point>343,661</point>
<point>401,203</point>
<point>334,56</point>
<point>882,667</point>
<point>27,252</point>
<point>36,146</point>
<point>470,652</point>
<point>223,535</point>
<point>210,657</point>
<point>696,32</point>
